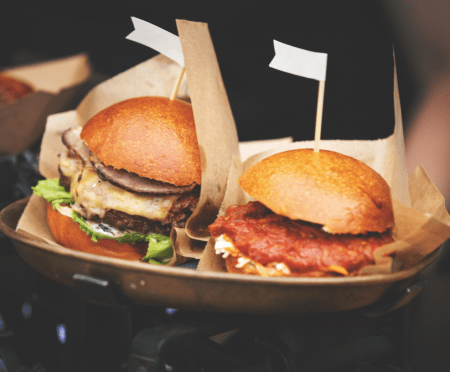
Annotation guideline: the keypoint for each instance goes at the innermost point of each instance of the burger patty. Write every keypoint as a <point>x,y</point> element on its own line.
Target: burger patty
<point>180,211</point>
<point>265,237</point>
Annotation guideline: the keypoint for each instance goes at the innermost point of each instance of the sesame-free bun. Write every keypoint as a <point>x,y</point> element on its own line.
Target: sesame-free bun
<point>153,137</point>
<point>337,191</point>
<point>68,233</point>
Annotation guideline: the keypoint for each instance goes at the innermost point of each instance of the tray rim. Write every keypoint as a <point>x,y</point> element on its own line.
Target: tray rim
<point>203,275</point>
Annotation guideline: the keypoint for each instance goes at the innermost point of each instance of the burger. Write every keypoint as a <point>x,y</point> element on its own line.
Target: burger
<point>129,175</point>
<point>11,90</point>
<point>316,214</point>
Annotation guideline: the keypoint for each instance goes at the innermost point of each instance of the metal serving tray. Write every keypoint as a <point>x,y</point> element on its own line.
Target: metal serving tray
<point>184,288</point>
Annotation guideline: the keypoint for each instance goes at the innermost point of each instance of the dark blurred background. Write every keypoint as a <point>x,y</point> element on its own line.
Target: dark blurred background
<point>266,103</point>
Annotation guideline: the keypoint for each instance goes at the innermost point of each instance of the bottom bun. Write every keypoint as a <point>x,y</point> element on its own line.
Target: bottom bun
<point>68,233</point>
<point>253,268</point>
<point>250,268</point>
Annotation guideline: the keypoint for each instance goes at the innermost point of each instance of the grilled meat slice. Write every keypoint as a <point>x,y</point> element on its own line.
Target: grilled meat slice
<point>134,183</point>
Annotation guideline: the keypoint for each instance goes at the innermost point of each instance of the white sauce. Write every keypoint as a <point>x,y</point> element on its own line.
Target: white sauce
<point>107,229</point>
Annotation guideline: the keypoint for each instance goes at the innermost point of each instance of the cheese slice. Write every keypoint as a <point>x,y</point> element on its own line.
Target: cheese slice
<point>94,196</point>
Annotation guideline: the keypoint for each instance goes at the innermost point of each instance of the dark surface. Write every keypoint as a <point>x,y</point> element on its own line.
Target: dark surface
<point>100,338</point>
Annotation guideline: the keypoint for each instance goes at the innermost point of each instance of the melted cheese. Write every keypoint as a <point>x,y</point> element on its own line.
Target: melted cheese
<point>69,165</point>
<point>337,269</point>
<point>93,196</point>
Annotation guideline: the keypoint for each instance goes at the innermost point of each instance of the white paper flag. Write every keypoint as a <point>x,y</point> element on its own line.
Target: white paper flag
<point>158,39</point>
<point>299,62</point>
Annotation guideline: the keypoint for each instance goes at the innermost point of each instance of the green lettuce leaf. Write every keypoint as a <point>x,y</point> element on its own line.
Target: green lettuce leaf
<point>53,192</point>
<point>159,251</point>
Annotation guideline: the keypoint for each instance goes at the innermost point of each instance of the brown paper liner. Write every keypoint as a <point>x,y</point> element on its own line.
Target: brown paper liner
<point>216,130</point>
<point>234,195</point>
<point>35,212</point>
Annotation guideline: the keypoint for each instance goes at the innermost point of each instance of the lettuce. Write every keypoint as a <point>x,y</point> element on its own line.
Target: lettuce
<point>53,192</point>
<point>159,251</point>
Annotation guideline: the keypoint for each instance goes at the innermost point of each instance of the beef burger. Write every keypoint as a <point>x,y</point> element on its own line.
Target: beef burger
<point>133,169</point>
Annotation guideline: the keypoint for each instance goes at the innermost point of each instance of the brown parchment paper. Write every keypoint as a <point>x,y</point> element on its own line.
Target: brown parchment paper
<point>250,148</point>
<point>215,128</point>
<point>55,82</point>
<point>422,223</point>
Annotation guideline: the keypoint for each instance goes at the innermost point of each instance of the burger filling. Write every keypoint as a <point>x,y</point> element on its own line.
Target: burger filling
<point>140,205</point>
<point>94,197</point>
<point>277,245</point>
<point>225,247</point>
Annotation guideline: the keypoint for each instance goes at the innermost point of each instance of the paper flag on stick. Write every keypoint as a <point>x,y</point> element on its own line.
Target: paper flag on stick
<point>158,39</point>
<point>299,62</point>
<point>304,63</point>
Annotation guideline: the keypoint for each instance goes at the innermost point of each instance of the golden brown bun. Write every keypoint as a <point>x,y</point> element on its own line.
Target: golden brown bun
<point>152,136</point>
<point>337,191</point>
<point>68,233</point>
<point>11,90</point>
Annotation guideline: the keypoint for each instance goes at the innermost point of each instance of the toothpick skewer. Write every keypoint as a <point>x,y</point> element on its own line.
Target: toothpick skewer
<point>177,85</point>
<point>319,115</point>
<point>160,40</point>
<point>311,65</point>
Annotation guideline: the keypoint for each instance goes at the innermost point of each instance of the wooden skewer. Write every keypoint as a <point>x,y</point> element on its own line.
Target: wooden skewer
<point>177,85</point>
<point>319,115</point>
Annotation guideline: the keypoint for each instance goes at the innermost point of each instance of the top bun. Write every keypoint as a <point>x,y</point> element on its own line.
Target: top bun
<point>339,192</point>
<point>153,137</point>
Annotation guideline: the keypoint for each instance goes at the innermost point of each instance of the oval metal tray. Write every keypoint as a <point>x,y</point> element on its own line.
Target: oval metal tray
<point>184,288</point>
